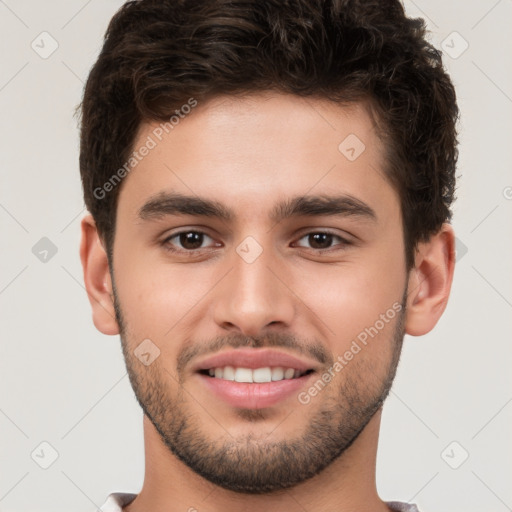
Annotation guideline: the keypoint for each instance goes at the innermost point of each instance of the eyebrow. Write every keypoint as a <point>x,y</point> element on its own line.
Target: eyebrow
<point>165,204</point>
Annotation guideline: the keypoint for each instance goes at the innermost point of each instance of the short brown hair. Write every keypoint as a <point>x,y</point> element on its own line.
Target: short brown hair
<point>157,54</point>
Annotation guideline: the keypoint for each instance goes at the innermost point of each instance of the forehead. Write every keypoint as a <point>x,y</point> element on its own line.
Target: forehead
<point>249,153</point>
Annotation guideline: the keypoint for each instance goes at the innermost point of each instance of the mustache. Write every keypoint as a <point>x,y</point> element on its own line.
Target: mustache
<point>313,349</point>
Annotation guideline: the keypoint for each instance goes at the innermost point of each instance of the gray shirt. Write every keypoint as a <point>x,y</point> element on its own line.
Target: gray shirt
<point>117,500</point>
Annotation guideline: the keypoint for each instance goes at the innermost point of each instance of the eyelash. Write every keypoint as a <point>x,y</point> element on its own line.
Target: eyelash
<point>166,243</point>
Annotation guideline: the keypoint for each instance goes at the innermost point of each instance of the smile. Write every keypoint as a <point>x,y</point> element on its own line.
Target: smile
<point>256,375</point>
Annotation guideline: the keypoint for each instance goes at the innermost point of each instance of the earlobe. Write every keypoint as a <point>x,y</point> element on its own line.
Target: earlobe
<point>430,282</point>
<point>97,278</point>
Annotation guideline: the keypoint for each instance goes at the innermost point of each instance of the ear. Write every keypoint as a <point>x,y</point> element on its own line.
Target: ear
<point>430,282</point>
<point>97,278</point>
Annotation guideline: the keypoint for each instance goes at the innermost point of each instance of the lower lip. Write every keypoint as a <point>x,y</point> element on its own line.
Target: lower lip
<point>254,395</point>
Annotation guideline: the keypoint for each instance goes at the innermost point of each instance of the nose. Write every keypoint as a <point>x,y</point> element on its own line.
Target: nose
<point>253,296</point>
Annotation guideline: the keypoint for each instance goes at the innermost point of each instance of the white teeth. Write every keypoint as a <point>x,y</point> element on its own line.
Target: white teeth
<point>277,373</point>
<point>260,375</point>
<point>229,373</point>
<point>288,374</point>
<point>242,374</point>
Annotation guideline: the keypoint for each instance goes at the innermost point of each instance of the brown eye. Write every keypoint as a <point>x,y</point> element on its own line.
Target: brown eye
<point>187,241</point>
<point>323,240</point>
<point>320,240</point>
<point>191,240</point>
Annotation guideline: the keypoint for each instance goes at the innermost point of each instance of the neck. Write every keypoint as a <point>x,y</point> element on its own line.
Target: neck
<point>348,484</point>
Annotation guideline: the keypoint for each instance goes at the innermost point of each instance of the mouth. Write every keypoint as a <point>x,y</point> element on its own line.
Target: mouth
<point>251,394</point>
<point>254,378</point>
<point>256,375</point>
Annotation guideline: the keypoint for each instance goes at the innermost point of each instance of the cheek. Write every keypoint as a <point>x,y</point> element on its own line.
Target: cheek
<point>155,299</point>
<point>352,296</point>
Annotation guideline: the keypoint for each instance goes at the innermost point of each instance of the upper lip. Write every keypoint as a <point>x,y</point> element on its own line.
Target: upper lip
<point>255,358</point>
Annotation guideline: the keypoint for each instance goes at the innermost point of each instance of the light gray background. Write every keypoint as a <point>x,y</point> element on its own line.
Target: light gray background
<point>64,383</point>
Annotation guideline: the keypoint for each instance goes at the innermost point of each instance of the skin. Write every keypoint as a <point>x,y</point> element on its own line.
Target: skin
<point>249,153</point>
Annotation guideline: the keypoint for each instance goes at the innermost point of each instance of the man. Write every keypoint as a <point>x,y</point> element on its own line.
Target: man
<point>269,186</point>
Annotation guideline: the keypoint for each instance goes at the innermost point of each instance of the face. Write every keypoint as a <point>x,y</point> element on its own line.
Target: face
<point>260,284</point>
